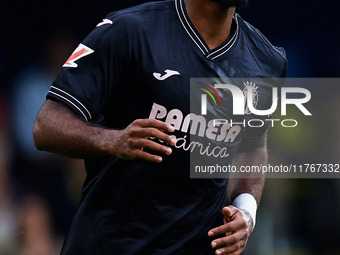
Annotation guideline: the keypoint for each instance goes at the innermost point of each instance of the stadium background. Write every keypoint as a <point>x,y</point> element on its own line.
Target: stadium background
<point>39,191</point>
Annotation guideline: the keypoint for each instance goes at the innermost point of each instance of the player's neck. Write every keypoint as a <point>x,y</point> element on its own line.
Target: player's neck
<point>212,22</point>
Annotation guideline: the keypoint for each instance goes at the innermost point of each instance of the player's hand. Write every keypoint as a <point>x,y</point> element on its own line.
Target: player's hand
<point>237,227</point>
<point>129,143</point>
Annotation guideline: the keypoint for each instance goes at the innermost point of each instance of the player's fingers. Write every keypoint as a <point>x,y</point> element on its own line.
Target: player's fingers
<point>228,211</point>
<point>234,249</point>
<point>228,227</point>
<point>231,239</point>
<point>148,144</point>
<point>153,132</point>
<point>140,154</point>
<point>155,123</point>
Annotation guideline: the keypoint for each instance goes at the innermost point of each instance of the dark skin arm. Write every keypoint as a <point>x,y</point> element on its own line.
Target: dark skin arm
<point>238,223</point>
<point>58,130</point>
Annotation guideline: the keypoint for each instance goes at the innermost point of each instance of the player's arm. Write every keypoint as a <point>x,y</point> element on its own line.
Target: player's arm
<point>245,195</point>
<point>58,130</point>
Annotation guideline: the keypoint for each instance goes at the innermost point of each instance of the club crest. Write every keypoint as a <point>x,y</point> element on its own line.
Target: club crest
<point>255,96</point>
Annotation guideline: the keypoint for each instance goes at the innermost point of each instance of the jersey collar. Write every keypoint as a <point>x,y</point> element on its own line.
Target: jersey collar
<point>214,54</point>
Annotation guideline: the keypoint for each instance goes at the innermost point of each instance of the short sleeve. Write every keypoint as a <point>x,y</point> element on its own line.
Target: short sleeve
<point>92,72</point>
<point>257,125</point>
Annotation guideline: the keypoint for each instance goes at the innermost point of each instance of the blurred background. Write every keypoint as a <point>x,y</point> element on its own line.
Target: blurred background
<point>39,192</point>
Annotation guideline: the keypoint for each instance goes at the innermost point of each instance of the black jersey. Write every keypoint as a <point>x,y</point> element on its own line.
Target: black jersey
<point>137,63</point>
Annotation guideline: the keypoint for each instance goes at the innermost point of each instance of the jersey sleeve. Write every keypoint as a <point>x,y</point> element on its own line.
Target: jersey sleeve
<point>257,125</point>
<point>90,75</point>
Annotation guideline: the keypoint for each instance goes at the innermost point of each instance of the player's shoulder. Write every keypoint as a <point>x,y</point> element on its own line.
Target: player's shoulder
<point>124,28</point>
<point>272,58</point>
<point>138,14</point>
<point>149,6</point>
<point>259,39</point>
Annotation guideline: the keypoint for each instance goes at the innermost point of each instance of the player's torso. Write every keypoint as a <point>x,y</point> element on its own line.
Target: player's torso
<point>167,55</point>
<point>142,197</point>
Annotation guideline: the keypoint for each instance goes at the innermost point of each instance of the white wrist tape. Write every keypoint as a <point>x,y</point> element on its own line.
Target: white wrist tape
<point>246,202</point>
